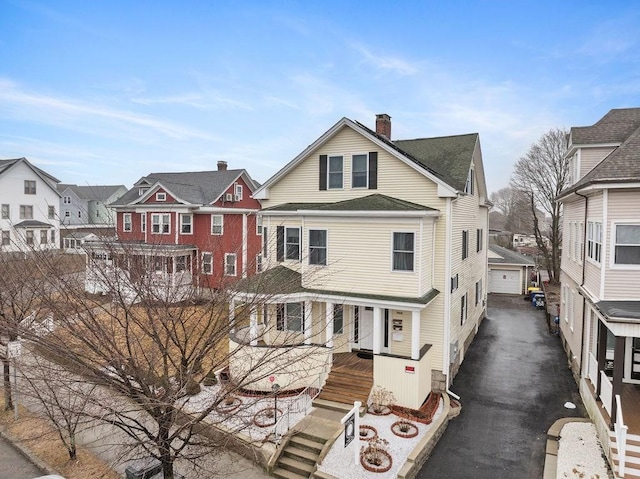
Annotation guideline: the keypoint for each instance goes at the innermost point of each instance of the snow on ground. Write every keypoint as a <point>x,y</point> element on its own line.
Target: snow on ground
<point>342,459</point>
<point>240,420</point>
<point>580,452</point>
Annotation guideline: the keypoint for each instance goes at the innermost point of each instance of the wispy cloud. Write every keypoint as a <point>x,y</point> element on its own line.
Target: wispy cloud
<point>384,63</point>
<point>73,113</point>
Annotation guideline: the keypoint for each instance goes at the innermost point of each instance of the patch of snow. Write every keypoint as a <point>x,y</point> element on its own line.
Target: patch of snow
<point>569,405</point>
<point>341,459</point>
<point>580,452</point>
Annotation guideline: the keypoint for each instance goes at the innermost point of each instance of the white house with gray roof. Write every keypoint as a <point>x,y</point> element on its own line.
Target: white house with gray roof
<point>600,297</point>
<point>29,207</point>
<point>89,205</point>
<point>373,248</point>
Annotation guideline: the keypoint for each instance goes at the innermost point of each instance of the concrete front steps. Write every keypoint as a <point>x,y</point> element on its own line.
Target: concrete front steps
<point>632,462</point>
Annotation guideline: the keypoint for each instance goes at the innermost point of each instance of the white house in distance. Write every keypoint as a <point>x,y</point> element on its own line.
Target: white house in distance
<point>375,247</point>
<point>82,206</point>
<point>600,297</point>
<point>28,207</point>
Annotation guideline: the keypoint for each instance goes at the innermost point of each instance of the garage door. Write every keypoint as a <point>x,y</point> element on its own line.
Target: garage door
<point>504,281</point>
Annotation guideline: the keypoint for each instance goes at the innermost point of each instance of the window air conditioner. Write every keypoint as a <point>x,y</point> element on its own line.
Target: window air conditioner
<point>236,198</point>
<point>229,197</point>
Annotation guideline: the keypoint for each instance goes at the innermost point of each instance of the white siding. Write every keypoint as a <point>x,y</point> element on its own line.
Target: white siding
<point>590,157</point>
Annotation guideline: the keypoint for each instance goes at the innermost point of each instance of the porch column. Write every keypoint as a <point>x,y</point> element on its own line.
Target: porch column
<point>306,318</point>
<point>253,327</point>
<point>618,373</point>
<point>328,316</point>
<point>232,315</point>
<point>245,236</point>
<point>602,354</point>
<point>377,330</point>
<point>415,334</point>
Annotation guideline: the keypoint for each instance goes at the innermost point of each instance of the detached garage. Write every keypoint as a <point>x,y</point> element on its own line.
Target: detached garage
<point>508,271</point>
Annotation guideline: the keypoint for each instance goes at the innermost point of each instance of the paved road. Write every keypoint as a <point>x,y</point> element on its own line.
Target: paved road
<point>513,384</point>
<point>13,465</point>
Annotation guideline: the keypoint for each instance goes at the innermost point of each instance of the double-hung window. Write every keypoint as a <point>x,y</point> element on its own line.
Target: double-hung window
<point>26,212</point>
<point>478,291</point>
<point>43,236</point>
<point>289,317</point>
<point>318,247</point>
<point>29,187</point>
<point>6,237</point>
<point>465,244</point>
<point>143,222</point>
<point>160,223</point>
<point>594,240</point>
<point>463,309</point>
<point>259,225</point>
<point>292,243</point>
<point>230,264</point>
<point>359,171</point>
<point>627,244</point>
<point>126,222</point>
<point>338,319</point>
<point>53,236</point>
<point>238,192</point>
<point>52,212</point>
<point>29,237</point>
<point>335,172</point>
<point>5,212</point>
<point>207,263</point>
<point>217,224</point>
<point>66,200</point>
<point>479,238</point>
<point>186,224</point>
<point>403,251</point>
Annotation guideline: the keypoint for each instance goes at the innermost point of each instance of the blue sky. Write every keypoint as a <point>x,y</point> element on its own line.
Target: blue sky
<point>106,92</point>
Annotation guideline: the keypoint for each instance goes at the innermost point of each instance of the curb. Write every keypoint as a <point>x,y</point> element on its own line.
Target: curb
<point>27,453</point>
<point>553,435</point>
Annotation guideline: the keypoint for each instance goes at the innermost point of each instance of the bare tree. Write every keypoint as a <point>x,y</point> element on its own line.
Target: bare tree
<point>151,344</point>
<point>514,206</point>
<point>541,175</point>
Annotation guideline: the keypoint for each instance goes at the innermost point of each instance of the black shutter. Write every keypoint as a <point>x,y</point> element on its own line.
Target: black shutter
<point>373,170</point>
<point>265,242</point>
<point>323,172</point>
<point>280,243</point>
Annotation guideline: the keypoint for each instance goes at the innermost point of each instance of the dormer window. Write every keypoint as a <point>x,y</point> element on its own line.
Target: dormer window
<point>142,191</point>
<point>468,187</point>
<point>238,193</point>
<point>161,197</point>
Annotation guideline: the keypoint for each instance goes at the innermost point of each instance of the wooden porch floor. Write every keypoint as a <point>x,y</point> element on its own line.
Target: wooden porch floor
<point>352,362</point>
<point>350,379</point>
<point>630,407</point>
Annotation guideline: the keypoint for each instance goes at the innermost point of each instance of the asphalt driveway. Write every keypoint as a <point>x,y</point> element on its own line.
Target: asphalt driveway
<point>513,384</point>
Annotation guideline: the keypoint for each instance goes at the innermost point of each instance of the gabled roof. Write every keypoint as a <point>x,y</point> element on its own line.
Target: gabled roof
<point>199,187</point>
<point>614,127</point>
<point>6,165</point>
<point>446,160</point>
<point>92,193</point>
<point>508,257</point>
<point>375,202</point>
<point>33,224</point>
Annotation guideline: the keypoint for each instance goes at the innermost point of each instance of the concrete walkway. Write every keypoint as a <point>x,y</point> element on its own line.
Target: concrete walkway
<point>513,385</point>
<point>14,465</point>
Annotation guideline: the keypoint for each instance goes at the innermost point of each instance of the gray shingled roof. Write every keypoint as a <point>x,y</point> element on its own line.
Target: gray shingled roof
<point>282,280</point>
<point>509,257</point>
<point>33,224</point>
<point>96,192</point>
<point>6,164</point>
<point>619,310</point>
<point>614,127</point>
<point>447,157</point>
<point>375,202</point>
<point>199,187</point>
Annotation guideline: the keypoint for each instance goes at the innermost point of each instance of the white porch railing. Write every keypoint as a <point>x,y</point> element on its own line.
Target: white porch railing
<point>606,392</point>
<point>621,437</point>
<point>592,373</point>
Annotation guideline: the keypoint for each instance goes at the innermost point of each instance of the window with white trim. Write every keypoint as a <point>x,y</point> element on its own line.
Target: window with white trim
<point>186,223</point>
<point>454,282</point>
<point>207,263</point>
<point>26,212</point>
<point>338,319</point>
<point>292,243</point>
<point>5,212</point>
<point>161,197</point>
<point>238,192</point>
<point>160,223</point>
<point>468,187</point>
<point>53,236</point>
<point>594,240</point>
<point>289,317</point>
<point>465,244</point>
<point>565,294</point>
<point>29,187</point>
<point>217,224</point>
<point>29,237</point>
<point>52,212</point>
<point>478,291</point>
<point>43,236</point>
<point>126,222</point>
<point>143,222</point>
<point>318,247</point>
<point>259,225</point>
<point>360,171</point>
<point>230,264</point>
<point>335,172</point>
<point>403,251</point>
<point>463,309</point>
<point>479,239</point>
<point>67,214</point>
<point>6,237</point>
<point>181,263</point>
<point>627,244</point>
<point>66,200</point>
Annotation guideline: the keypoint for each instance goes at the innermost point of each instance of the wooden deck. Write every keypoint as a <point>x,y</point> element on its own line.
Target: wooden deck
<point>352,362</point>
<point>630,407</point>
<point>350,379</point>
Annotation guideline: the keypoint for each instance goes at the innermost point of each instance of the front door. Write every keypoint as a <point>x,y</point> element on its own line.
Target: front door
<point>366,328</point>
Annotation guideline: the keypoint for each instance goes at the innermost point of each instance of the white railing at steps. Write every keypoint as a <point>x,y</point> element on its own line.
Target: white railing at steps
<point>621,437</point>
<point>302,402</point>
<point>606,392</point>
<point>593,368</point>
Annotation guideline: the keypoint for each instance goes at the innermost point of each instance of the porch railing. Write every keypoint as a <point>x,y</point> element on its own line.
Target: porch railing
<point>606,392</point>
<point>593,368</point>
<point>621,437</point>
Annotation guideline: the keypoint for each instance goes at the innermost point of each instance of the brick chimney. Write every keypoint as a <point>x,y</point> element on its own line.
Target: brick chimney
<point>383,125</point>
<point>222,165</point>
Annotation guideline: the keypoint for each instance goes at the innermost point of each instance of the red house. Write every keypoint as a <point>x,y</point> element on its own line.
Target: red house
<point>194,228</point>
